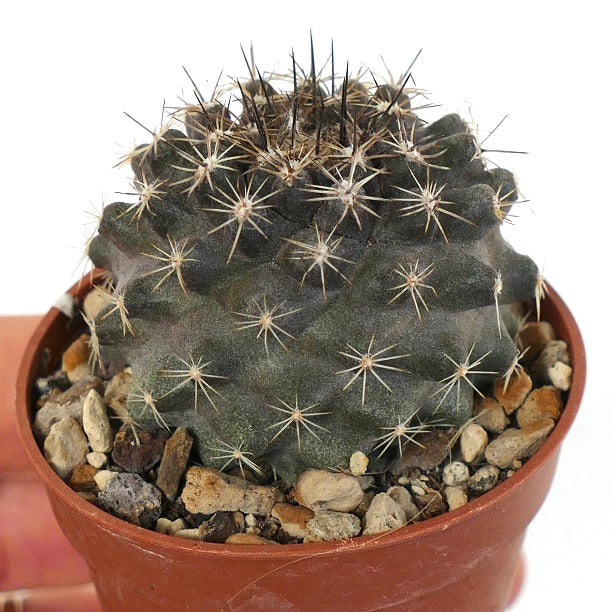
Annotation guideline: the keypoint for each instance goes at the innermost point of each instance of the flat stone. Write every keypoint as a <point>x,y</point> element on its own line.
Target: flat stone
<point>219,527</point>
<point>173,463</point>
<point>517,390</point>
<point>96,424</point>
<point>327,526</point>
<point>490,415</point>
<point>82,478</point>
<point>138,455</point>
<point>473,441</point>
<point>75,359</point>
<point>484,479</point>
<point>435,448</point>
<point>65,446</point>
<point>517,443</point>
<point>293,519</point>
<point>97,459</point>
<point>358,463</point>
<point>402,497</point>
<point>130,498</point>
<point>455,497</point>
<point>542,403</point>
<point>248,538</point>
<point>384,514</point>
<point>323,490</point>
<point>207,490</point>
<point>560,375</point>
<point>455,473</point>
<point>103,477</point>
<point>68,403</point>
<point>554,352</point>
<point>535,335</point>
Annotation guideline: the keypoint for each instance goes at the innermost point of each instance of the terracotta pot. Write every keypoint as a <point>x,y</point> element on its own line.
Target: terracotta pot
<point>463,560</point>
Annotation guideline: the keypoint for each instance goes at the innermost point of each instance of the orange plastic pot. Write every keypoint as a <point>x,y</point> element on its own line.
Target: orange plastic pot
<point>464,560</point>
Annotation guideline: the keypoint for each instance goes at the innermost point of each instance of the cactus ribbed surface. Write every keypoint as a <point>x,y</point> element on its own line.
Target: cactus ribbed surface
<point>324,264</point>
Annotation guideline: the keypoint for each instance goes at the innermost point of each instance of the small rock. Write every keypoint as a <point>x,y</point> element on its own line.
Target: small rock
<point>188,534</point>
<point>75,360</point>
<point>68,403</point>
<point>473,441</point>
<point>490,415</point>
<point>517,390</point>
<point>249,538</point>
<point>358,463</point>
<point>130,498</point>
<point>135,457</point>
<point>383,514</point>
<point>484,479</point>
<point>434,450</point>
<point>55,383</point>
<point>118,389</point>
<point>535,335</point>
<point>219,527</point>
<point>103,477</point>
<point>96,423</point>
<point>402,497</point>
<point>455,497</point>
<point>327,525</point>
<point>430,504</point>
<point>173,462</point>
<point>293,519</point>
<point>362,508</point>
<point>517,443</point>
<point>543,403</point>
<point>162,525</point>
<point>560,375</point>
<point>94,302</point>
<point>97,459</point>
<point>82,478</point>
<point>250,520</point>
<point>176,525</point>
<point>65,446</point>
<point>207,490</point>
<point>554,352</point>
<point>455,473</point>
<point>323,490</point>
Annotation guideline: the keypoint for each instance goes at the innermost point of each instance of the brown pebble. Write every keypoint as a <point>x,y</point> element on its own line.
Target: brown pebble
<point>138,458</point>
<point>517,390</point>
<point>434,450</point>
<point>248,538</point>
<point>430,504</point>
<point>293,519</point>
<point>219,527</point>
<point>82,478</point>
<point>490,415</point>
<point>541,404</point>
<point>535,335</point>
<point>75,360</point>
<point>174,461</point>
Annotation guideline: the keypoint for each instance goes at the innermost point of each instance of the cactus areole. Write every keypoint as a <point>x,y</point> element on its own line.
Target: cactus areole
<point>317,273</point>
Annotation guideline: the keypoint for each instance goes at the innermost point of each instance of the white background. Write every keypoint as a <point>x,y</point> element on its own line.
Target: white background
<point>69,70</point>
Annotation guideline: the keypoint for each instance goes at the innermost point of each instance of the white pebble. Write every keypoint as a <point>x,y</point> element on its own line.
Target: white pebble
<point>96,459</point>
<point>162,525</point>
<point>188,534</point>
<point>176,525</point>
<point>455,497</point>
<point>473,442</point>
<point>103,477</point>
<point>96,423</point>
<point>455,473</point>
<point>560,375</point>
<point>65,446</point>
<point>358,463</point>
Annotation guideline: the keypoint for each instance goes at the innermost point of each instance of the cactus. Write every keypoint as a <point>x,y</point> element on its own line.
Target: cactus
<point>319,273</point>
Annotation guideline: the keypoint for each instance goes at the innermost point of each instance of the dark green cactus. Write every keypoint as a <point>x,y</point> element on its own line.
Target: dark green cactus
<point>313,277</point>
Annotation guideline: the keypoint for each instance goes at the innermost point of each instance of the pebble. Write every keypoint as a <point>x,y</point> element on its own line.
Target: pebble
<point>455,497</point>
<point>176,525</point>
<point>554,352</point>
<point>96,424</point>
<point>82,478</point>
<point>490,415</point>
<point>173,463</point>
<point>65,446</point>
<point>362,508</point>
<point>402,497</point>
<point>75,360</point>
<point>249,538</point>
<point>327,525</point>
<point>219,527</point>
<point>517,443</point>
<point>130,498</point>
<point>162,525</point>
<point>517,390</point>
<point>188,534</point>
<point>535,335</point>
<point>383,514</point>
<point>323,490</point>
<point>293,519</point>
<point>435,451</point>
<point>358,463</point>
<point>139,458</point>
<point>103,477</point>
<point>431,504</point>
<point>543,403</point>
<point>94,302</point>
<point>118,389</point>
<point>484,479</point>
<point>68,403</point>
<point>560,375</point>
<point>97,459</point>
<point>473,441</point>
<point>455,474</point>
<point>207,490</point>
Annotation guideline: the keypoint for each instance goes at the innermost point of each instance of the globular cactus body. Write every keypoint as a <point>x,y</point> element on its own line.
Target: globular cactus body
<point>312,278</point>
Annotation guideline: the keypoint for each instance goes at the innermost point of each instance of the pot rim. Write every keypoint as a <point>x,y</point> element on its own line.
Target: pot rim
<point>146,538</point>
